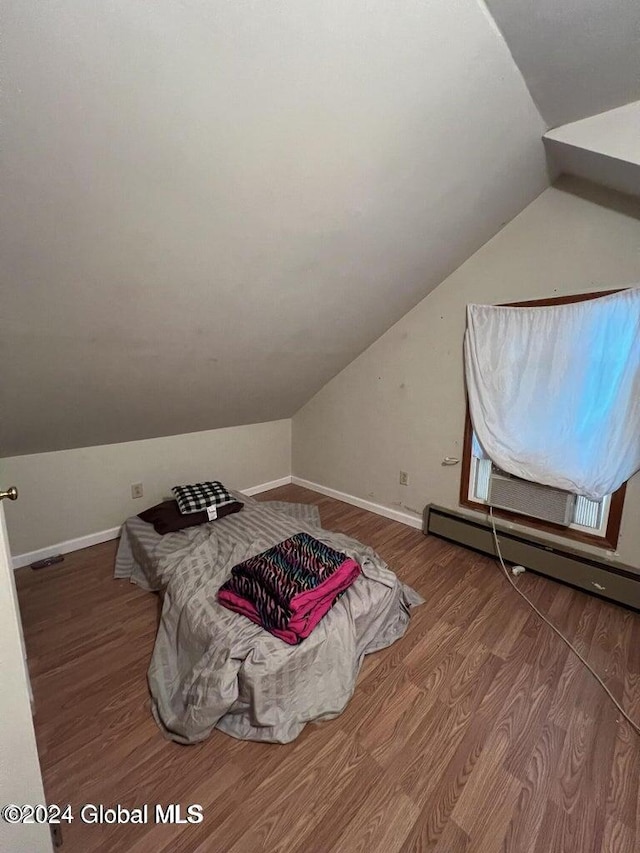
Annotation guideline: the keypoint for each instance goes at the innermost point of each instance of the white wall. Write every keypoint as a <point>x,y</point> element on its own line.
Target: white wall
<point>401,404</point>
<point>71,493</point>
<point>615,133</point>
<point>603,148</point>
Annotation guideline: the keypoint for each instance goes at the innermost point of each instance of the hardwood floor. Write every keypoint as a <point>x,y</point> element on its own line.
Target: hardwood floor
<point>478,731</point>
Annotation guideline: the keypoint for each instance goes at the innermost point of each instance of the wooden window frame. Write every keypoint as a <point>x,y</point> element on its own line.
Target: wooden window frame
<point>610,539</point>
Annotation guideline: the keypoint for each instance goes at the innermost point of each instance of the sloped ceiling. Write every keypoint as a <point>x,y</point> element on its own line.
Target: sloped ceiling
<point>210,208</point>
<point>579,57</point>
<point>604,148</point>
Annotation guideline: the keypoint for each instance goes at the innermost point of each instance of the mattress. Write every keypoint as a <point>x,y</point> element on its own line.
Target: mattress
<point>212,668</point>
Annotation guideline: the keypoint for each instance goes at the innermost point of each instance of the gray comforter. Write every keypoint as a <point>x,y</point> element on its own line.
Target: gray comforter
<point>214,668</point>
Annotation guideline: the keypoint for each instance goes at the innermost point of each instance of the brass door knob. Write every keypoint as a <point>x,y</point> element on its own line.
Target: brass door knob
<point>11,493</point>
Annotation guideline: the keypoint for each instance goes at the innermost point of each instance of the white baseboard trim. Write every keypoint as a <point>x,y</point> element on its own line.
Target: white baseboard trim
<point>395,514</point>
<point>70,545</point>
<point>65,547</point>
<point>264,487</point>
<point>105,535</point>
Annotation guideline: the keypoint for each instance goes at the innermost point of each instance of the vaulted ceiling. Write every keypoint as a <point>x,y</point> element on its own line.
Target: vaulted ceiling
<point>210,208</point>
<point>579,57</point>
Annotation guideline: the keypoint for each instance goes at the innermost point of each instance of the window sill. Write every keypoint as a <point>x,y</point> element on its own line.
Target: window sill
<point>608,542</point>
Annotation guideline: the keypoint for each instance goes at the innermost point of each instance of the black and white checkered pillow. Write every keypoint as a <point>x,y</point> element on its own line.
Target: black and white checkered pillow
<point>199,496</point>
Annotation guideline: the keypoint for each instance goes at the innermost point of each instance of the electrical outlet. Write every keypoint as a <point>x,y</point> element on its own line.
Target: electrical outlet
<point>136,490</point>
<point>404,478</point>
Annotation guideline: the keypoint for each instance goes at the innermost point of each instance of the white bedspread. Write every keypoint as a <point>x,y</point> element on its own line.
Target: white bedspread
<point>214,668</point>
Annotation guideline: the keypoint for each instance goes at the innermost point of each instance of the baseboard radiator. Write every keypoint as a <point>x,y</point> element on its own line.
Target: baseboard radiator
<point>614,581</point>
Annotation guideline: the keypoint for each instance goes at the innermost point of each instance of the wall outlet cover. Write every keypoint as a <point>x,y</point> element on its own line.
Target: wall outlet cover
<point>404,478</point>
<point>137,490</point>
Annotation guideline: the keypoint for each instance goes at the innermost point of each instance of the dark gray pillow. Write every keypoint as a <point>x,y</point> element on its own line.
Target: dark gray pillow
<point>167,518</point>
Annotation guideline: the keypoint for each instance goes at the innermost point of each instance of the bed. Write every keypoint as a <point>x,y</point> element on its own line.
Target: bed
<point>212,668</point>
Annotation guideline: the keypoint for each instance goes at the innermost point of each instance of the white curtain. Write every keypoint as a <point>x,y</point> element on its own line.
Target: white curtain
<point>554,392</point>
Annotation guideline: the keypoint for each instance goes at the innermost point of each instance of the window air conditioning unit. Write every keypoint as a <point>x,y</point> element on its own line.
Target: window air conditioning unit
<point>533,499</point>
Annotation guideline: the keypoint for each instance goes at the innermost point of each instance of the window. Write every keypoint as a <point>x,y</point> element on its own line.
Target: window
<point>588,516</point>
<point>593,522</point>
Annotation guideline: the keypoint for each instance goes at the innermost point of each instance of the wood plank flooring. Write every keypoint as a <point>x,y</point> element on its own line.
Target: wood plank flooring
<point>478,731</point>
